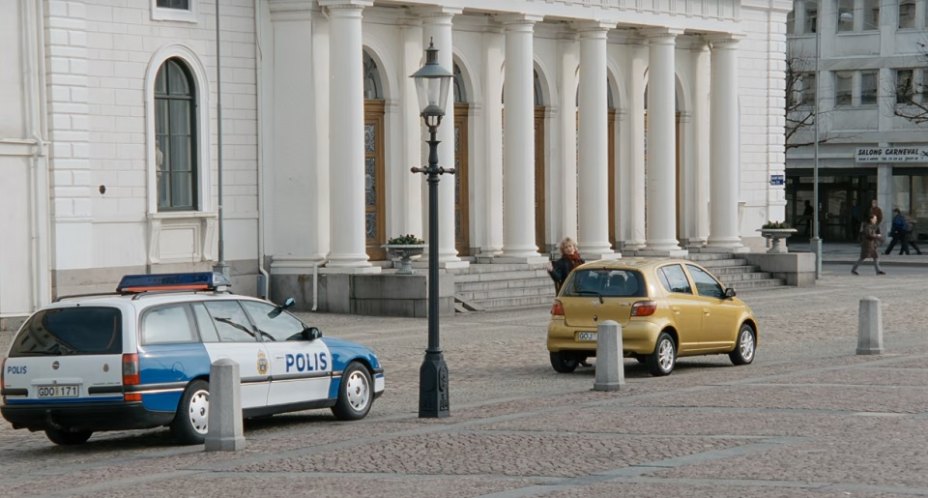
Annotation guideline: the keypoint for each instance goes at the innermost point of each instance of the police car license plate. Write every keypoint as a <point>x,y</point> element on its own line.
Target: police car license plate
<point>586,336</point>
<point>58,391</point>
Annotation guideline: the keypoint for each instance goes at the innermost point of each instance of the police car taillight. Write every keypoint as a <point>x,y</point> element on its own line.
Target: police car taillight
<point>644,308</point>
<point>557,309</point>
<point>130,375</point>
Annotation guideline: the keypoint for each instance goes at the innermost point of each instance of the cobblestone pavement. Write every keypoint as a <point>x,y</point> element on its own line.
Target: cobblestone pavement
<point>808,418</point>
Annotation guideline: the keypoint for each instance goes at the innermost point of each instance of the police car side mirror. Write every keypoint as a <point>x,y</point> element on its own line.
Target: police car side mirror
<point>280,307</point>
<point>311,333</point>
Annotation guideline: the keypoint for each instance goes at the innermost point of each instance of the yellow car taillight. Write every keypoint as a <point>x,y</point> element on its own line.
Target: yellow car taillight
<point>557,309</point>
<point>644,308</point>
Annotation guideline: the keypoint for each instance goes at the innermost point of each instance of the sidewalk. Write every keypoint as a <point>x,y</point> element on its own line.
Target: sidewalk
<point>848,252</point>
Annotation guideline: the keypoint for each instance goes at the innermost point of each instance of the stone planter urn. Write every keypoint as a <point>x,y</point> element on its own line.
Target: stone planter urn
<point>774,237</point>
<point>404,253</point>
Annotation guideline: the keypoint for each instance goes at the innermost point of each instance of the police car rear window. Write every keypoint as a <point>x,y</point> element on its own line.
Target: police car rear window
<point>85,330</point>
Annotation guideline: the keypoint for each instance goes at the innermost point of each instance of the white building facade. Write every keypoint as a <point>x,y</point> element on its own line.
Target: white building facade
<point>872,70</point>
<point>647,127</point>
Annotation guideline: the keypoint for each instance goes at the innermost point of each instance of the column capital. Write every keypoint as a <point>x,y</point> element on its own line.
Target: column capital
<point>345,4</point>
<point>661,33</point>
<point>509,20</point>
<point>593,28</point>
<point>723,40</point>
<point>290,10</point>
<point>437,13</point>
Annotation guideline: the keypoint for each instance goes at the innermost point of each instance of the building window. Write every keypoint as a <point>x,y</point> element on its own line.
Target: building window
<point>845,15</point>
<point>906,14</point>
<point>843,87</point>
<point>174,10</point>
<point>871,15</point>
<point>905,82</point>
<point>175,137</point>
<point>802,91</point>
<point>790,21</point>
<point>174,4</point>
<point>811,17</point>
<point>373,88</point>
<point>868,82</point>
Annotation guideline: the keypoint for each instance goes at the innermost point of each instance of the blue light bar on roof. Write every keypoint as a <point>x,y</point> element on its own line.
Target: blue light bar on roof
<point>199,281</point>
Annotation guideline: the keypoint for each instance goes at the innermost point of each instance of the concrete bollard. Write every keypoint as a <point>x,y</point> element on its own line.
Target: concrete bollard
<point>869,327</point>
<point>610,367</point>
<point>225,407</point>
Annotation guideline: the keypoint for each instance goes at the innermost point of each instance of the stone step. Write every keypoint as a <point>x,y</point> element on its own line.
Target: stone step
<point>496,268</point>
<point>724,262</point>
<point>517,302</point>
<point>478,296</point>
<point>485,285</point>
<point>503,275</point>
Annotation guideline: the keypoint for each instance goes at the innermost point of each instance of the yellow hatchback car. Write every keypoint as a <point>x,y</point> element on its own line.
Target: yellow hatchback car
<point>666,307</point>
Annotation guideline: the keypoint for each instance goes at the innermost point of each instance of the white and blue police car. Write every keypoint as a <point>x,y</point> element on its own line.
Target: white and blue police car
<point>140,358</point>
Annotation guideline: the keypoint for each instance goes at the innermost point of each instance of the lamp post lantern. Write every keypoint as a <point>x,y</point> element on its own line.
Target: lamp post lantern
<point>432,83</point>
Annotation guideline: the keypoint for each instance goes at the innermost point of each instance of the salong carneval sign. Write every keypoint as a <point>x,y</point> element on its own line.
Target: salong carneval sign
<point>892,155</point>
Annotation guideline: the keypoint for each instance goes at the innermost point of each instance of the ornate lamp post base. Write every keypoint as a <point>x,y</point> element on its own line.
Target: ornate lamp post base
<point>433,386</point>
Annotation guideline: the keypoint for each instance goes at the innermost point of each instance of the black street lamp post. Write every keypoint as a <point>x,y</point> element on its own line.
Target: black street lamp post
<point>432,82</point>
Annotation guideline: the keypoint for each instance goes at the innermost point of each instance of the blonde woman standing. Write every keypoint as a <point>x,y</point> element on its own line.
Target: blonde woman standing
<point>570,259</point>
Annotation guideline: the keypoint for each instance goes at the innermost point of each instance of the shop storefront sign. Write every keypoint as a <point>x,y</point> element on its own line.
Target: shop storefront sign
<point>892,155</point>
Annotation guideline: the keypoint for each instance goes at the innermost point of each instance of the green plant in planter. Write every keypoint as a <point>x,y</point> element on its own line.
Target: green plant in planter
<point>776,224</point>
<point>405,240</point>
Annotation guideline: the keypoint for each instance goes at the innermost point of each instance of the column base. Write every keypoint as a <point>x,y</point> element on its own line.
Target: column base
<point>534,259</point>
<point>351,270</point>
<point>727,244</point>
<point>594,256</point>
<point>447,265</point>
<point>675,252</point>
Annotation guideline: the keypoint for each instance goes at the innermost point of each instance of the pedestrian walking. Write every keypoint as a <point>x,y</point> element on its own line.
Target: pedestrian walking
<point>875,210</point>
<point>898,231</point>
<point>870,239</point>
<point>909,237</point>
<point>570,259</point>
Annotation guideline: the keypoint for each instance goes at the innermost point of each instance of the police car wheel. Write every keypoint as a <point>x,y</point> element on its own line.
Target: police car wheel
<point>354,394</point>
<point>190,422</point>
<point>66,438</point>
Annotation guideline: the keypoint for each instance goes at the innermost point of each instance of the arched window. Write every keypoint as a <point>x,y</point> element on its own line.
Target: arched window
<point>373,89</point>
<point>460,93</point>
<point>175,137</point>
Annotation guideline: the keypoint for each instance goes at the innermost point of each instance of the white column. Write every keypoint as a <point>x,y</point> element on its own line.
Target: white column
<point>519,141</point>
<point>492,135</point>
<point>700,140</point>
<point>661,216</point>
<point>436,28</point>
<point>564,170</point>
<point>346,136</point>
<point>725,137</point>
<point>593,163</point>
<point>636,148</point>
<point>409,211</point>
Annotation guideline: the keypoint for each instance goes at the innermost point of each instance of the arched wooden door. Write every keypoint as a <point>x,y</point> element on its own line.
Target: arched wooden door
<point>374,183</point>
<point>461,192</point>
<point>611,167</point>
<point>540,190</point>
<point>461,166</point>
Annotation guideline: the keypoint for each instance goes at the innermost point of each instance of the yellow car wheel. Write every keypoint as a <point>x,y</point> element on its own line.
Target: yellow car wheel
<point>564,362</point>
<point>664,357</point>
<point>745,347</point>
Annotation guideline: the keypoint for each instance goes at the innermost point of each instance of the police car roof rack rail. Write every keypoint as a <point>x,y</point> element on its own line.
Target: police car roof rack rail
<point>91,294</point>
<point>158,292</point>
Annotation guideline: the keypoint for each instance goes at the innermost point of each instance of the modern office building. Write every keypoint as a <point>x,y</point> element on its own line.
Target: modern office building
<point>865,63</point>
<point>634,126</point>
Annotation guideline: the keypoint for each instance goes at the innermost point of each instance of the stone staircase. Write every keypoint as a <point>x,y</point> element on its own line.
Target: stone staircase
<point>510,286</point>
<point>736,273</point>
